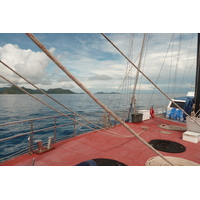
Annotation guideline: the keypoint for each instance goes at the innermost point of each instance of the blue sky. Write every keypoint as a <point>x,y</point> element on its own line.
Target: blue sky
<point>95,62</point>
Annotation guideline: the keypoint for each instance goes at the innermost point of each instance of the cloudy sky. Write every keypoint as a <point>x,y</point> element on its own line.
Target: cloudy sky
<point>89,56</point>
<point>96,63</point>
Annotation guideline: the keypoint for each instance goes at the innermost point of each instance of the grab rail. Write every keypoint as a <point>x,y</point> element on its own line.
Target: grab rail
<point>54,125</point>
<point>35,119</point>
<point>32,131</point>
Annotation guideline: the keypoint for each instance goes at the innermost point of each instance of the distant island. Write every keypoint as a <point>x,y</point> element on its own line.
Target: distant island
<point>107,93</point>
<point>15,90</point>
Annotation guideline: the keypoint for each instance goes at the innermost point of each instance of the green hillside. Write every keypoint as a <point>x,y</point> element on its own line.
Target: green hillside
<point>15,90</point>
<point>59,91</point>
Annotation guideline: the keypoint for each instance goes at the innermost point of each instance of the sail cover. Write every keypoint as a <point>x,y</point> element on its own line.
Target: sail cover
<point>188,106</point>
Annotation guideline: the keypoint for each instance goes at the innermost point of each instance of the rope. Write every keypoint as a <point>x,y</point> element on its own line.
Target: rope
<point>157,161</point>
<point>48,95</point>
<point>47,104</point>
<point>119,135</point>
<point>96,125</point>
<point>48,53</point>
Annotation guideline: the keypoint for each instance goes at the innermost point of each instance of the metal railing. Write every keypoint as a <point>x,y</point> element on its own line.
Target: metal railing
<point>33,131</point>
<point>54,125</point>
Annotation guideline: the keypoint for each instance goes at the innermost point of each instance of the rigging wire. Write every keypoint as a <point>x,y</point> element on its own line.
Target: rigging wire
<point>161,67</point>
<point>124,94</point>
<point>133,99</point>
<point>96,125</point>
<point>139,63</point>
<point>193,82</point>
<point>177,64</point>
<point>46,93</point>
<point>149,79</point>
<point>48,53</point>
<point>184,74</point>
<point>39,99</point>
<point>127,75</point>
<point>143,66</point>
<point>170,69</point>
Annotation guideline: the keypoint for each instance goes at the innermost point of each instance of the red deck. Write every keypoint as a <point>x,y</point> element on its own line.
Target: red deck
<point>129,151</point>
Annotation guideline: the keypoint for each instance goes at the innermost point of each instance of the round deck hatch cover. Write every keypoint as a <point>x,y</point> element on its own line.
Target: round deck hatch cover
<point>167,146</point>
<point>108,162</point>
<point>101,162</point>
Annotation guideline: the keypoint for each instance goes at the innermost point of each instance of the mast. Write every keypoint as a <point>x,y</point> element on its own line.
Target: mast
<point>133,100</point>
<point>197,83</point>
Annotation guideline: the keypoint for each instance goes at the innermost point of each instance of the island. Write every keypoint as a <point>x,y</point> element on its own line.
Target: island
<point>15,90</point>
<point>107,93</point>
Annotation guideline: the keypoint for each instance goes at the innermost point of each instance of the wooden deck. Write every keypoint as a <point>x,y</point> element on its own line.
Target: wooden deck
<point>128,150</point>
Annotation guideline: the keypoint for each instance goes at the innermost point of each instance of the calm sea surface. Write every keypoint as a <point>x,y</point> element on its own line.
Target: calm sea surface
<point>23,107</point>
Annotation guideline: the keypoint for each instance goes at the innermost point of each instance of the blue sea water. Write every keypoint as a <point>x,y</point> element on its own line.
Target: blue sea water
<point>23,107</point>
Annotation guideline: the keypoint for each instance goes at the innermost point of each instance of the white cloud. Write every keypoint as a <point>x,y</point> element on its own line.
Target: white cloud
<point>63,79</point>
<point>28,63</point>
<point>101,77</point>
<point>67,86</point>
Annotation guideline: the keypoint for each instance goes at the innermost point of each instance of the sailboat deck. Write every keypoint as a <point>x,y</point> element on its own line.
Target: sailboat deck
<point>127,150</point>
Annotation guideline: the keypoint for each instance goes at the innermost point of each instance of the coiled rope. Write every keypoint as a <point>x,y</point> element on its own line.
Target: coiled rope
<point>158,161</point>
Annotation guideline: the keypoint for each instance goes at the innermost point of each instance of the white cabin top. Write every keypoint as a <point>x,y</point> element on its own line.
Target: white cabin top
<point>190,94</point>
<point>180,102</point>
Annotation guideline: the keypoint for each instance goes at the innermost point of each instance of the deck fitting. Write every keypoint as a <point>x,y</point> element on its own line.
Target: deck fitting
<point>42,149</point>
<point>167,146</point>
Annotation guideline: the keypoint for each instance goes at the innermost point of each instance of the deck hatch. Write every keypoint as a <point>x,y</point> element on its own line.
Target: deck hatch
<point>167,146</point>
<point>101,162</point>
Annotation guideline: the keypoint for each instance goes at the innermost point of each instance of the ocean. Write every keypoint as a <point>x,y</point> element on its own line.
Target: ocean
<point>15,108</point>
